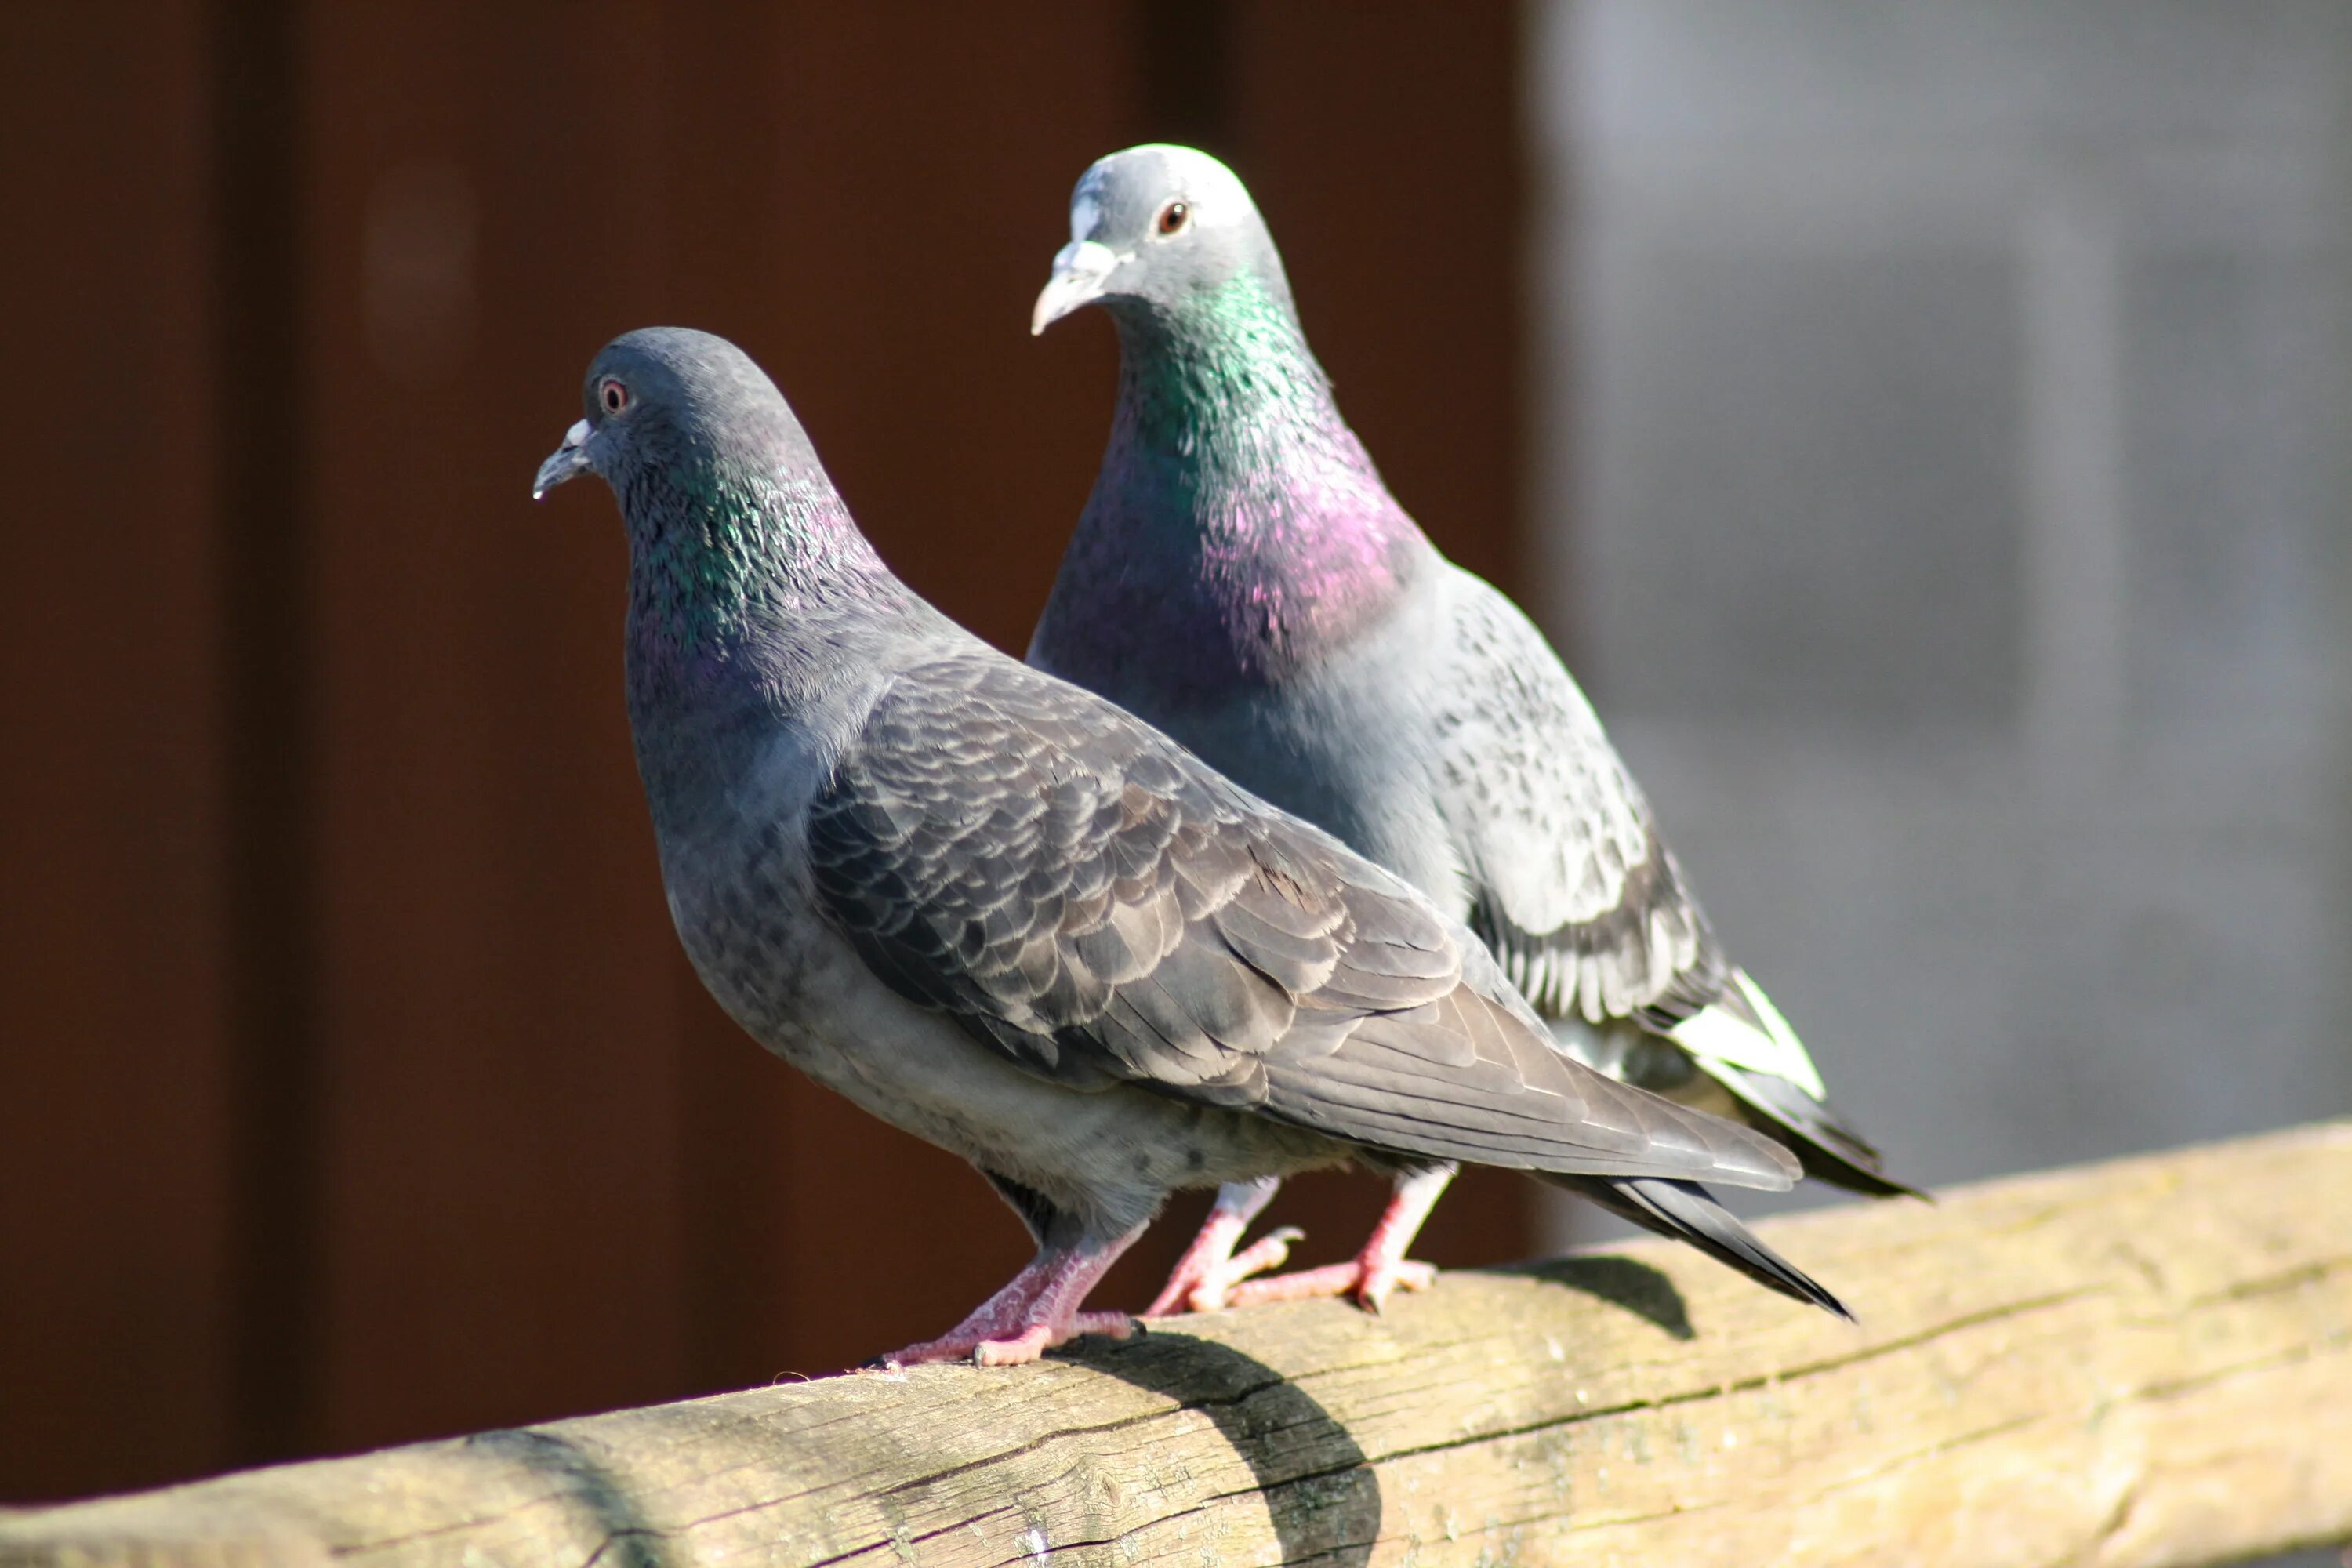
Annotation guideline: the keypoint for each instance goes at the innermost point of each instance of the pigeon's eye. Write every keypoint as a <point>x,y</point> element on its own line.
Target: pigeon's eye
<point>614,396</point>
<point>1173,217</point>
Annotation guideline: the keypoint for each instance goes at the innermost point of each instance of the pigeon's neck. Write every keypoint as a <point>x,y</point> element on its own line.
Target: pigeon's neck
<point>1237,517</point>
<point>752,592</point>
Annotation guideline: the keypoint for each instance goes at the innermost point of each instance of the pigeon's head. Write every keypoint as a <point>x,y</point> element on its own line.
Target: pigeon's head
<point>1155,230</point>
<point>669,401</point>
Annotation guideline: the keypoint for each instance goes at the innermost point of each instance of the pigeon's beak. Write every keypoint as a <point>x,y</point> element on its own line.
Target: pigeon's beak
<point>567,461</point>
<point>1080,271</point>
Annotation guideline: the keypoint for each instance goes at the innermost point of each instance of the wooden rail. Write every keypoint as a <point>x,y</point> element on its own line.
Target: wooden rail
<point>2142,1363</point>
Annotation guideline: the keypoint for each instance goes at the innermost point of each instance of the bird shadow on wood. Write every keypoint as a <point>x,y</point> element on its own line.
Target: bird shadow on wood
<point>1622,1283</point>
<point>625,1538</point>
<point>1322,1498</point>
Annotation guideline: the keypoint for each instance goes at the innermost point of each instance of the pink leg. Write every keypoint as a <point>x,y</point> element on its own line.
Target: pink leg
<point>1380,1268</point>
<point>1210,1267</point>
<point>1035,1313</point>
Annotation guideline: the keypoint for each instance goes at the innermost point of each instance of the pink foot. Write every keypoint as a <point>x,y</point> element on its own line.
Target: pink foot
<point>1209,1269</point>
<point>1208,1285</point>
<point>1380,1268</point>
<point>1369,1283</point>
<point>1036,1341</point>
<point>1035,1313</point>
<point>994,1347</point>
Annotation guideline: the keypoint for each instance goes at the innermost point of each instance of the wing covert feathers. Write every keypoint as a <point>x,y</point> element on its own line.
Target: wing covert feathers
<point>1572,886</point>
<point>1078,892</point>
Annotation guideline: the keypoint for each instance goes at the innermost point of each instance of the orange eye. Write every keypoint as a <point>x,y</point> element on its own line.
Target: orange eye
<point>1173,218</point>
<point>614,396</point>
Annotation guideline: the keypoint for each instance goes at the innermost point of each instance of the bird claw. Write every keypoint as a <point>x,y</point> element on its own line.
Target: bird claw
<point>1401,1274</point>
<point>984,1348</point>
<point>1034,1342</point>
<point>1206,1284</point>
<point>1265,1255</point>
<point>1370,1283</point>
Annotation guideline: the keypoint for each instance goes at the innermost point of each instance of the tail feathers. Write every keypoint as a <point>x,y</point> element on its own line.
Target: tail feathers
<point>1732,1028</point>
<point>1828,1150</point>
<point>1685,1211</point>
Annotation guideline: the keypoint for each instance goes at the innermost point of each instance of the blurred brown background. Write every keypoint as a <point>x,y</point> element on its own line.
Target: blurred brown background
<point>352,1086</point>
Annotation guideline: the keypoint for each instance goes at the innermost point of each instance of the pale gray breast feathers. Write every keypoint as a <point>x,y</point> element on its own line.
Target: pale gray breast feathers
<point>1570,880</point>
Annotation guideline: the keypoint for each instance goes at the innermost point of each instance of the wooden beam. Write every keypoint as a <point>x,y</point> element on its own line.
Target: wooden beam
<point>2141,1362</point>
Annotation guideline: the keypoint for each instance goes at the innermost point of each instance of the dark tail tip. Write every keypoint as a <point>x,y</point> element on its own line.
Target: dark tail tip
<point>1687,1212</point>
<point>1828,1149</point>
<point>1824,1163</point>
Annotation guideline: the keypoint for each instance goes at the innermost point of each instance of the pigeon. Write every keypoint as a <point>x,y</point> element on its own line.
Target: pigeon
<point>1242,579</point>
<point>1009,918</point>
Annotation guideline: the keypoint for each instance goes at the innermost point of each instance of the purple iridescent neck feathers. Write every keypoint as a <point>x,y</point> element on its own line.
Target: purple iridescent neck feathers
<point>1236,515</point>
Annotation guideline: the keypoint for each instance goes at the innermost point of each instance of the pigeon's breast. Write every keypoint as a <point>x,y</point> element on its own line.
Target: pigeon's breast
<point>748,919</point>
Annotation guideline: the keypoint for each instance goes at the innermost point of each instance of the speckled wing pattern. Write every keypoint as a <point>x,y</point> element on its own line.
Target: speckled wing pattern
<point>1081,894</point>
<point>1581,900</point>
<point>1572,885</point>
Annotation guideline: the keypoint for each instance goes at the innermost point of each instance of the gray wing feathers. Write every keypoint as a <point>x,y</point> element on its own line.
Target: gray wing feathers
<point>1572,886</point>
<point>1825,1145</point>
<point>1571,883</point>
<point>1081,894</point>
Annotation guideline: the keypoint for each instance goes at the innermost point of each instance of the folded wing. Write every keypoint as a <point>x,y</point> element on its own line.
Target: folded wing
<point>1084,895</point>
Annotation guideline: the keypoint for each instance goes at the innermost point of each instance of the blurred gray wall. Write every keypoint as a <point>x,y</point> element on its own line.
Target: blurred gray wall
<point>1941,458</point>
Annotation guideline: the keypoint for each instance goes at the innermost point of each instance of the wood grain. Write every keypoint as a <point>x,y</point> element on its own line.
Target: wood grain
<point>2143,1362</point>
